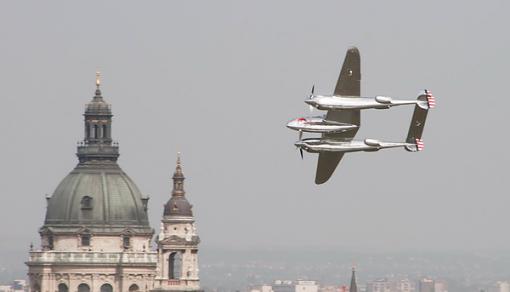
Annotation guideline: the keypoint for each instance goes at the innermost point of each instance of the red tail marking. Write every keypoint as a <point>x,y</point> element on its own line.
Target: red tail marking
<point>419,144</point>
<point>431,100</point>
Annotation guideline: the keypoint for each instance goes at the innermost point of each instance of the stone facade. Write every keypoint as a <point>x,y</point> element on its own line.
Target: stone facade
<point>66,271</point>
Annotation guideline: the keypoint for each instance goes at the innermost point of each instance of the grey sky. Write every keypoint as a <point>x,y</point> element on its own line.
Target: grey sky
<point>218,80</point>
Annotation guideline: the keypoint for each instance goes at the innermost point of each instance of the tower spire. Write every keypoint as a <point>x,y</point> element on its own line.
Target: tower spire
<point>98,79</point>
<point>179,159</point>
<point>353,287</point>
<point>178,178</point>
<point>98,84</point>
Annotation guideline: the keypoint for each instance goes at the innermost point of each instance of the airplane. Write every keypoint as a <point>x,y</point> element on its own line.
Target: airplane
<point>413,142</point>
<point>342,120</point>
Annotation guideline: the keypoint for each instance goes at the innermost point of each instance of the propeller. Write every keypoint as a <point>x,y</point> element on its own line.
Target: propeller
<point>300,135</point>
<point>311,96</point>
<point>301,152</point>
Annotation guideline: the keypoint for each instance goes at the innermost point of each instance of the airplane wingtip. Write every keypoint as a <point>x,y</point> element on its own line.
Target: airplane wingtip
<point>353,50</point>
<point>320,180</point>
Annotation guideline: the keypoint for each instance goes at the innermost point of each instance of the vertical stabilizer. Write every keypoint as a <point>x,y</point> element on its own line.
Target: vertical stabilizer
<point>414,136</point>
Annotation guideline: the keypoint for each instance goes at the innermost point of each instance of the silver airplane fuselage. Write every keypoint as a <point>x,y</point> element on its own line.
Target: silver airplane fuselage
<point>315,145</point>
<point>319,125</point>
<point>334,102</point>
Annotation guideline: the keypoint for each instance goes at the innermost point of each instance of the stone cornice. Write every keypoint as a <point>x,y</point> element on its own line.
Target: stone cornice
<point>175,240</point>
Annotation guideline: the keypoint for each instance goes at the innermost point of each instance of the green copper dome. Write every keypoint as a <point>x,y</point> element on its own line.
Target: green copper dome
<point>100,197</point>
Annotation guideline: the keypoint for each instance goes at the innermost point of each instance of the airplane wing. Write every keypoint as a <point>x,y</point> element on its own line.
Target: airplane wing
<point>348,84</point>
<point>328,161</point>
<point>326,165</point>
<point>349,80</point>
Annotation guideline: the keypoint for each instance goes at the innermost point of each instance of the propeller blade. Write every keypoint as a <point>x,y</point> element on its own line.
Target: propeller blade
<point>301,152</point>
<point>300,135</point>
<point>313,88</point>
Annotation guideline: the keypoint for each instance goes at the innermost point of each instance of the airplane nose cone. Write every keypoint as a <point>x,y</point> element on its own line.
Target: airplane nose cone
<point>310,102</point>
<point>292,124</point>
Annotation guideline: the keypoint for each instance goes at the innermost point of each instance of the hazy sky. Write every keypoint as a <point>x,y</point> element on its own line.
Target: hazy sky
<point>218,80</point>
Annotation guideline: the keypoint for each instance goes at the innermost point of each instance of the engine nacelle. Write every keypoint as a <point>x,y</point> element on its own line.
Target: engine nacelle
<point>383,99</point>
<point>372,142</point>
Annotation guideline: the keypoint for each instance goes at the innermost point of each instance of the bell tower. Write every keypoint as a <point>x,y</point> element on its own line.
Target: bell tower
<point>178,242</point>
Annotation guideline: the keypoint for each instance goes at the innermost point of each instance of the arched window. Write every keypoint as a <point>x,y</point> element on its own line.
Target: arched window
<point>105,131</point>
<point>106,288</point>
<point>96,131</point>
<point>86,203</point>
<point>85,239</point>
<point>126,241</point>
<point>83,288</point>
<point>50,241</point>
<point>134,288</point>
<point>62,288</point>
<point>88,129</point>
<point>37,288</point>
<point>174,265</point>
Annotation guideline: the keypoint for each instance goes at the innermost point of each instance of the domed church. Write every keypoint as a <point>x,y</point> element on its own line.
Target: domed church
<point>96,235</point>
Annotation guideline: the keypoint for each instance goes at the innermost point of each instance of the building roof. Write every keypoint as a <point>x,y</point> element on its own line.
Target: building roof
<point>178,205</point>
<point>101,197</point>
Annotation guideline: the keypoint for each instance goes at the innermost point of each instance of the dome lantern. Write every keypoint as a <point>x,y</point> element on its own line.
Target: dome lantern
<point>97,144</point>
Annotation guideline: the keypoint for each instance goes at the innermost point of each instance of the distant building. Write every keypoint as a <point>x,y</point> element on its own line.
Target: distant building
<point>503,286</point>
<point>380,285</point>
<point>266,288</point>
<point>283,286</point>
<point>426,285</point>
<point>290,286</point>
<point>334,289</point>
<point>441,286</point>
<point>405,285</point>
<point>16,286</point>
<point>306,286</point>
